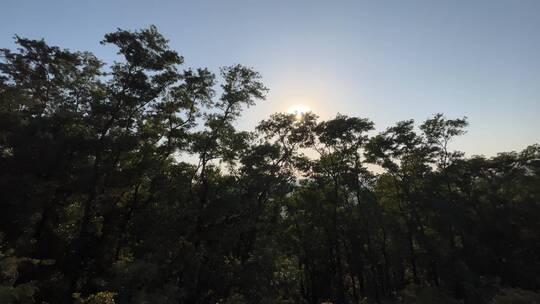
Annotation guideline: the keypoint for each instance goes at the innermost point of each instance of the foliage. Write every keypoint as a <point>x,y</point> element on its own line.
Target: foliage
<point>102,297</point>
<point>129,183</point>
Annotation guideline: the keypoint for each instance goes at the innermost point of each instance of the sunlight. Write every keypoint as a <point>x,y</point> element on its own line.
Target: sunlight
<point>298,110</point>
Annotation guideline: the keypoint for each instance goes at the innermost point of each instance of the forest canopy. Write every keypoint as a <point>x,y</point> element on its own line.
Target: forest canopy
<point>101,201</point>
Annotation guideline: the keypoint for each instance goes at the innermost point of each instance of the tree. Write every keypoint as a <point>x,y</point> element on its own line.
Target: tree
<point>129,183</point>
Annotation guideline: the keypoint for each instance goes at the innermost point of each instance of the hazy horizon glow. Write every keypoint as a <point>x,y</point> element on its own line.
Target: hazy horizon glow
<point>299,110</point>
<point>385,60</point>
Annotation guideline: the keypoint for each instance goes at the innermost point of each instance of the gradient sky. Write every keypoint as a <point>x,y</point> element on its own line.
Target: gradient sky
<point>386,60</point>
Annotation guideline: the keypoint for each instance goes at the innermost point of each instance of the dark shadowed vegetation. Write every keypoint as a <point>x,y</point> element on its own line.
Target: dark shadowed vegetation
<point>128,183</point>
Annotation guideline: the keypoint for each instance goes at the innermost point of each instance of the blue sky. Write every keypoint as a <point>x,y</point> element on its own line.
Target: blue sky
<point>386,60</point>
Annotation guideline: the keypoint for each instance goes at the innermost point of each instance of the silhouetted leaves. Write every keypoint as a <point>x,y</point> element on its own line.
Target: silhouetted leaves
<point>129,183</point>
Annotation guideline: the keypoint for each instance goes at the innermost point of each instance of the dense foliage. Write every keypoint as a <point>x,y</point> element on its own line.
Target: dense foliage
<point>128,183</point>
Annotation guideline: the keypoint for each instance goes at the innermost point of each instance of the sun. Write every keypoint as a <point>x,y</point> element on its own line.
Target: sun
<point>299,110</point>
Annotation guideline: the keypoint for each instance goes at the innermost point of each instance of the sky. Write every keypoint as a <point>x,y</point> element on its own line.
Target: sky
<point>385,60</point>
